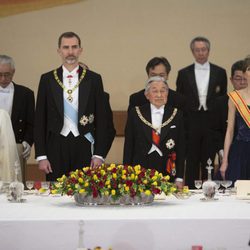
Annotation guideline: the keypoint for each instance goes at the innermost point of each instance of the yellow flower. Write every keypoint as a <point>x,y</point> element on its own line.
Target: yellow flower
<point>172,189</point>
<point>154,183</point>
<point>126,188</point>
<point>85,169</point>
<point>124,171</point>
<point>185,189</point>
<point>54,191</point>
<point>81,191</point>
<point>145,182</point>
<point>76,185</point>
<point>103,172</point>
<point>95,178</point>
<point>137,167</point>
<point>124,177</point>
<point>72,176</point>
<point>86,184</point>
<point>114,175</point>
<point>107,182</point>
<point>80,180</point>
<point>167,177</point>
<point>154,178</point>
<point>106,193</point>
<point>113,191</point>
<point>109,186</point>
<point>148,192</point>
<point>132,176</point>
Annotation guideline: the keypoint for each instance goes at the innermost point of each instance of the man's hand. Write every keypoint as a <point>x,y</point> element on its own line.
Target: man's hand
<point>26,150</point>
<point>96,162</point>
<point>179,184</point>
<point>44,165</point>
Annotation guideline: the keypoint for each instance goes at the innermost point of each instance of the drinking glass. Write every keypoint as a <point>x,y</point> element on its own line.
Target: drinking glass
<point>226,184</point>
<point>198,184</point>
<point>45,185</point>
<point>218,183</point>
<point>29,184</point>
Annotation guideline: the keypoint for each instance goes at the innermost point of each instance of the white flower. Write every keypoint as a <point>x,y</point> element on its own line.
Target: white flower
<point>84,120</point>
<point>170,143</point>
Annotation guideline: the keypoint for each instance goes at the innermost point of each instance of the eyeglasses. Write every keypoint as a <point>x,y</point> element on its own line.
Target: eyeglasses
<point>239,79</point>
<point>6,75</point>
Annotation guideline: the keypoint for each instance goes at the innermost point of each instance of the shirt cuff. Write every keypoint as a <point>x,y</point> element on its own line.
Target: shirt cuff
<point>42,157</point>
<point>179,179</point>
<point>98,156</point>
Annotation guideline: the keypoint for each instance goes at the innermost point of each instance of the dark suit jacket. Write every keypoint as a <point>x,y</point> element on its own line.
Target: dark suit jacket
<point>49,115</point>
<point>186,85</point>
<point>22,115</point>
<point>110,135</point>
<point>138,139</point>
<point>175,99</point>
<point>218,125</point>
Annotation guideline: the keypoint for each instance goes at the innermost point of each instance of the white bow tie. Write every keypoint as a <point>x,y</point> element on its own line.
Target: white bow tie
<point>201,67</point>
<point>158,111</point>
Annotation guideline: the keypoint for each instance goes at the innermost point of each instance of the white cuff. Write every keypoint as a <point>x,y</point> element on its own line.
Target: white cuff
<point>99,157</point>
<point>42,157</point>
<point>179,179</point>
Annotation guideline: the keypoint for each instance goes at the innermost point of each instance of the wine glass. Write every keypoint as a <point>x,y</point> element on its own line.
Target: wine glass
<point>29,185</point>
<point>198,184</point>
<point>226,184</point>
<point>218,183</point>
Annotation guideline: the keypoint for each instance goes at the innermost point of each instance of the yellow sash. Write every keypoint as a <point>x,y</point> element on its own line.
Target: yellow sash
<point>241,106</point>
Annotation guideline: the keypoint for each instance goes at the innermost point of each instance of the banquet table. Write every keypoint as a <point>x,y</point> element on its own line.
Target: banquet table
<point>47,222</point>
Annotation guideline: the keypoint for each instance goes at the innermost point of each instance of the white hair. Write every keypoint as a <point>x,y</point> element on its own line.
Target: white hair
<point>154,79</point>
<point>7,60</point>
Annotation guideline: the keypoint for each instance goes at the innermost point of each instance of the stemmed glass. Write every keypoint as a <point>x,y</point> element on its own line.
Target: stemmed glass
<point>226,184</point>
<point>29,185</point>
<point>198,184</point>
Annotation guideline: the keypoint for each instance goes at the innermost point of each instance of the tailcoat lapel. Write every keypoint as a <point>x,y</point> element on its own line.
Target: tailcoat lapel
<point>212,81</point>
<point>83,94</point>
<point>146,113</point>
<point>167,114</point>
<point>57,91</point>
<point>17,104</point>
<point>192,80</point>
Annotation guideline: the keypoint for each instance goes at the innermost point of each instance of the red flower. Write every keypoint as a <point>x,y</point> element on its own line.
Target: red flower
<point>129,183</point>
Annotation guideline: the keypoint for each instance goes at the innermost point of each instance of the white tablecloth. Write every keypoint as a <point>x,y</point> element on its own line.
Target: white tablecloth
<point>53,223</point>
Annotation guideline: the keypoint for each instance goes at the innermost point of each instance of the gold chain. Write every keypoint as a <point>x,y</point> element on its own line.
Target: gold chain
<point>150,124</point>
<point>69,91</point>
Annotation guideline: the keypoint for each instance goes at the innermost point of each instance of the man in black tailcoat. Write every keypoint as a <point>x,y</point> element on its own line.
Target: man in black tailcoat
<point>70,122</point>
<point>201,83</point>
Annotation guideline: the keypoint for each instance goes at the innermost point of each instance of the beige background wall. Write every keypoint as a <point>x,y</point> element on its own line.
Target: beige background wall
<point>120,36</point>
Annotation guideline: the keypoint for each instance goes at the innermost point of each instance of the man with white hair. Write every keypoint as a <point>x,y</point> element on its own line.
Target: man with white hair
<point>19,102</point>
<point>154,134</point>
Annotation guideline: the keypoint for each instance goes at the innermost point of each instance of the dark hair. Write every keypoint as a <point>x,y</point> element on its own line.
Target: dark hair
<point>236,66</point>
<point>157,61</point>
<point>69,34</point>
<point>200,39</point>
<point>246,63</point>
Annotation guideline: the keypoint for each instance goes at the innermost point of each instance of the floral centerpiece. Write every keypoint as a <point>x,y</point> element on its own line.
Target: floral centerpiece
<point>114,184</point>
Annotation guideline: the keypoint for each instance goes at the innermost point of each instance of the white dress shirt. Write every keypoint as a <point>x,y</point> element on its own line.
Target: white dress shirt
<point>6,98</point>
<point>156,117</point>
<point>69,83</point>
<point>202,73</point>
